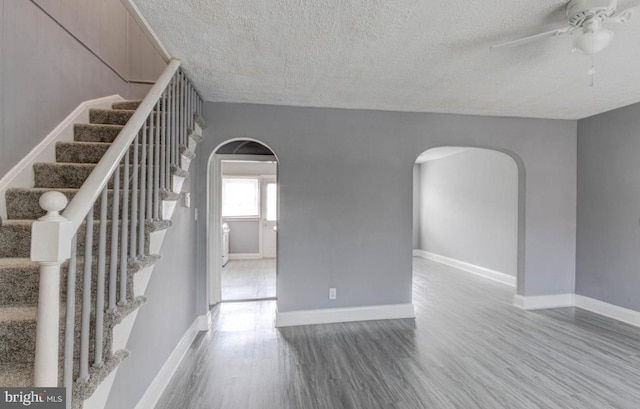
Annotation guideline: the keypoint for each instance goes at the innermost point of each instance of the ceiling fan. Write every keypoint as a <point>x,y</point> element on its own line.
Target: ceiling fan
<point>586,20</point>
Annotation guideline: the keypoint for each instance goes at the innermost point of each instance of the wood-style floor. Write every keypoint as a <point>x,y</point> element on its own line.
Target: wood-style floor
<point>468,348</point>
<point>249,279</point>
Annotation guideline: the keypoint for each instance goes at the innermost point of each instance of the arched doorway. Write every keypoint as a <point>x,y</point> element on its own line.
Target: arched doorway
<point>242,214</point>
<point>468,211</point>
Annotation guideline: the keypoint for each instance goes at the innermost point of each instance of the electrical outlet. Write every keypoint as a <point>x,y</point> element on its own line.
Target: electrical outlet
<point>332,293</point>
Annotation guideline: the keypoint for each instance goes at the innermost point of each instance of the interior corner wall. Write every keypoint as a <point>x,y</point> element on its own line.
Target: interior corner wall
<point>170,309</point>
<point>346,195</point>
<point>469,209</point>
<point>608,236</point>
<point>416,206</point>
<point>55,55</point>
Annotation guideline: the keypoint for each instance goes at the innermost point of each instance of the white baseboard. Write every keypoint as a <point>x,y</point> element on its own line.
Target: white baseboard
<point>244,256</point>
<point>21,175</point>
<point>540,302</point>
<point>468,267</point>
<point>154,391</point>
<point>615,312</point>
<point>205,321</point>
<point>333,315</point>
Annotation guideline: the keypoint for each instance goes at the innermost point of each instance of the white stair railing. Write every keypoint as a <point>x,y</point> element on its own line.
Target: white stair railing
<point>136,170</point>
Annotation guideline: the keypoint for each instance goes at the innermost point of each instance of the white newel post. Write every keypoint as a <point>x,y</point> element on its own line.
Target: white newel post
<point>50,246</point>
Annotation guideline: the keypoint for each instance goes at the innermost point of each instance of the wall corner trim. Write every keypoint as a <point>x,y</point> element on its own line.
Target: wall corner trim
<point>348,314</point>
<point>540,302</point>
<point>468,267</point>
<point>153,393</point>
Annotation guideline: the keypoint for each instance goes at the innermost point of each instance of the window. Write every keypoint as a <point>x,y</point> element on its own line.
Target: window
<point>272,200</point>
<point>240,197</point>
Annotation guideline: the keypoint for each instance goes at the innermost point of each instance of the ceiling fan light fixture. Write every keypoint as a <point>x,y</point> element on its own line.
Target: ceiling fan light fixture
<point>592,42</point>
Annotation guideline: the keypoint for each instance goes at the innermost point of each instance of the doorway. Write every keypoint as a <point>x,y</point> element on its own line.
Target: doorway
<point>467,208</point>
<point>243,217</point>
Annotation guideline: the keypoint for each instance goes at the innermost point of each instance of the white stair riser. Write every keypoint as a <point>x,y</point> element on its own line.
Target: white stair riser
<point>177,182</point>
<point>185,162</point>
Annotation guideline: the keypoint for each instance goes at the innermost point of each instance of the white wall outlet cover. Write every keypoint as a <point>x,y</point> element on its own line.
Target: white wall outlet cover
<point>332,293</point>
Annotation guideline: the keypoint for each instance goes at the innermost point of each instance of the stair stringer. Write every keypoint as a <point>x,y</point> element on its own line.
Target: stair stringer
<point>122,331</point>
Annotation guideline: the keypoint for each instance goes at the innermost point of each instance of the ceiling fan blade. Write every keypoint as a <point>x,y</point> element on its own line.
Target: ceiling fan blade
<point>623,16</point>
<point>553,33</point>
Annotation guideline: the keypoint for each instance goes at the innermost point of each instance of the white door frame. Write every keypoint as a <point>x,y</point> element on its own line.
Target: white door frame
<point>264,181</point>
<point>214,215</point>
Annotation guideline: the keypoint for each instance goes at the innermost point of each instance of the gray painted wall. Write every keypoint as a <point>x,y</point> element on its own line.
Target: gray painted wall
<point>346,196</point>
<point>469,209</point>
<point>46,72</point>
<point>608,236</point>
<point>416,206</point>
<point>244,236</point>
<point>169,311</point>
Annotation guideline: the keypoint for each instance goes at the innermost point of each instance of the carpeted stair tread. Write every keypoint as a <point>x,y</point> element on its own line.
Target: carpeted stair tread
<point>9,314</point>
<point>127,105</point>
<point>16,375</point>
<point>23,203</point>
<point>96,132</point>
<point>80,152</point>
<point>195,136</point>
<point>200,121</point>
<point>15,236</point>
<point>61,175</point>
<point>19,278</point>
<point>158,225</point>
<point>110,116</point>
<point>18,329</point>
<point>168,195</point>
<point>89,152</point>
<point>82,391</point>
<point>16,263</point>
<point>186,152</point>
<point>130,105</point>
<point>176,171</point>
<point>65,175</point>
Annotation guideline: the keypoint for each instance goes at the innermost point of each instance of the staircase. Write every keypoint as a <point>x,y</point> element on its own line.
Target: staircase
<point>97,284</point>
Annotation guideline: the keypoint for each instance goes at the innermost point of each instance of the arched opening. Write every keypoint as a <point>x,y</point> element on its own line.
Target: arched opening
<point>468,213</point>
<point>242,215</point>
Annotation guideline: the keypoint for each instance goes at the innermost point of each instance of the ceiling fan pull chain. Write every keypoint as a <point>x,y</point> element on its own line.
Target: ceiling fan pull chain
<point>592,71</point>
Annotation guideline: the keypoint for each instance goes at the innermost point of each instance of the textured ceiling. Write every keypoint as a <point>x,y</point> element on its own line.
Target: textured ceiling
<point>400,55</point>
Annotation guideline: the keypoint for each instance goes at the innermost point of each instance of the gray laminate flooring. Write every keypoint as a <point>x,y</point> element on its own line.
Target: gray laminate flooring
<point>468,348</point>
<point>249,279</point>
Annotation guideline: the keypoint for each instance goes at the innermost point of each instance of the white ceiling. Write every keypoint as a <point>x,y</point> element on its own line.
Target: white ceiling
<point>400,55</point>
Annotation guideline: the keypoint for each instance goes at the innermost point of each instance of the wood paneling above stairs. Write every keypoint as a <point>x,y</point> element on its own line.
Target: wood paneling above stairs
<point>19,276</point>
